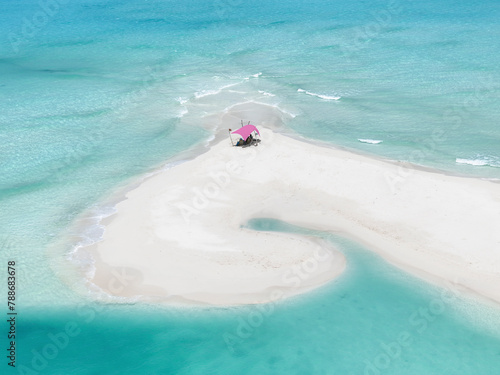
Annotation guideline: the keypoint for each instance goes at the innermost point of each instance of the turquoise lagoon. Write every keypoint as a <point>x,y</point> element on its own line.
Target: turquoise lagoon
<point>95,94</point>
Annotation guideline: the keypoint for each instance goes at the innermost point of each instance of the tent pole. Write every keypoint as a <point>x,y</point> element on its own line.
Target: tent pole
<point>231,138</point>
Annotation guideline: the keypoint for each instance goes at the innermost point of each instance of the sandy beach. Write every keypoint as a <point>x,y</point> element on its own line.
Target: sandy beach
<point>180,232</point>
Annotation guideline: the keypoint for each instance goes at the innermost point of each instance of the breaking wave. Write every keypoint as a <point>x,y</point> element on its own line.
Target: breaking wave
<point>480,161</point>
<point>370,141</point>
<point>321,96</point>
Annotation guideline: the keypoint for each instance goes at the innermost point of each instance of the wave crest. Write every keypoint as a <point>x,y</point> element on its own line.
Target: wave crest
<point>370,141</point>
<point>321,96</point>
<point>480,161</point>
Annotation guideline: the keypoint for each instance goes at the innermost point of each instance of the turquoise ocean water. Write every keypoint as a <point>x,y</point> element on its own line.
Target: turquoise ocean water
<point>94,94</point>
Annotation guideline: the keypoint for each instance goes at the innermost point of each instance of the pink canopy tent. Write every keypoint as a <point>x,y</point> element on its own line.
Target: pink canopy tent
<point>246,130</point>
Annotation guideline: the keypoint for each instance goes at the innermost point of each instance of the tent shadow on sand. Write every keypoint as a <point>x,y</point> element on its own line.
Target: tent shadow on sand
<point>254,142</point>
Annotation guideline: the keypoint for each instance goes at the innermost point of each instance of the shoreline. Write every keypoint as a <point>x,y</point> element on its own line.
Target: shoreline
<point>435,265</point>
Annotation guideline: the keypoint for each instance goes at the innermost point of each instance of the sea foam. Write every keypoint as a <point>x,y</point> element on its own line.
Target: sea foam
<point>370,141</point>
<point>203,93</point>
<point>480,161</point>
<point>321,96</point>
<point>265,93</point>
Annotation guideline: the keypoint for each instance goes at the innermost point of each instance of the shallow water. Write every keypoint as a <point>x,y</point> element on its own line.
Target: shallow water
<point>372,319</point>
<point>95,94</point>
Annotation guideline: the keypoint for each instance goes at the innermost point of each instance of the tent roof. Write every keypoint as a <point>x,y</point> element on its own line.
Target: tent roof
<point>246,130</point>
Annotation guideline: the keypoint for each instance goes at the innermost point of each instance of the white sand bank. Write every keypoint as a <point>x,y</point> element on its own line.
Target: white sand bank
<point>178,235</point>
